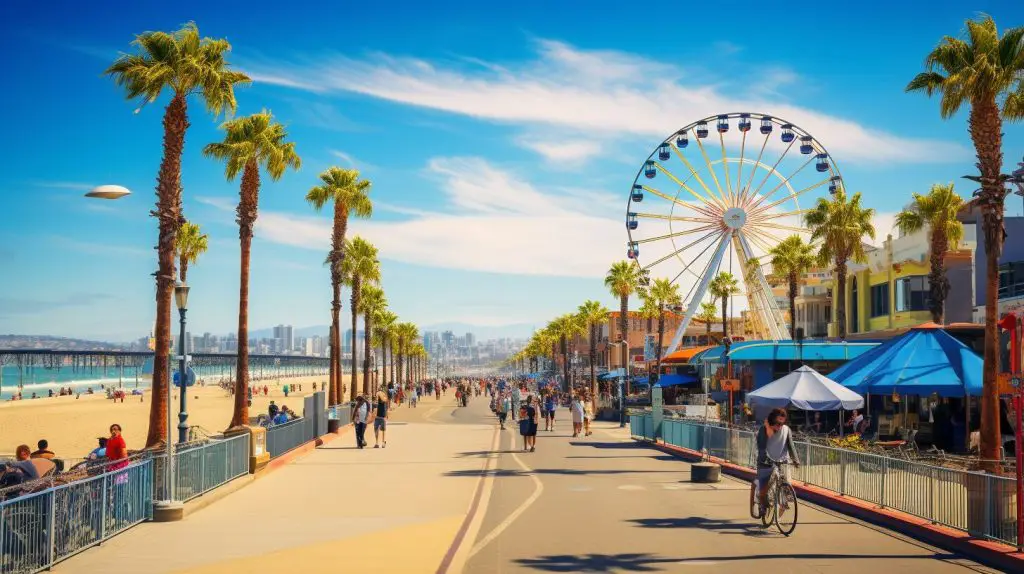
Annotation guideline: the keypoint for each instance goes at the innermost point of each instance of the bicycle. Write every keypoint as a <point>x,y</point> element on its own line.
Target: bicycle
<point>781,501</point>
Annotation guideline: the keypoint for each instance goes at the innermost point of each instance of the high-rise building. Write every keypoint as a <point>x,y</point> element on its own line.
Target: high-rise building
<point>287,340</point>
<point>470,339</point>
<point>448,339</point>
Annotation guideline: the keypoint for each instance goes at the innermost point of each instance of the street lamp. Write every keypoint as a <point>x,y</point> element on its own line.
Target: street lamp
<point>181,298</point>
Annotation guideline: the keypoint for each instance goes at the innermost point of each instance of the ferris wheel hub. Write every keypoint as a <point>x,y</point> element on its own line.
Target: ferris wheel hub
<point>734,218</point>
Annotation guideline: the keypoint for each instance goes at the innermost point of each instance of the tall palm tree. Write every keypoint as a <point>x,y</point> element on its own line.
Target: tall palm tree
<point>192,243</point>
<point>838,225</point>
<point>406,335</point>
<point>937,211</point>
<point>987,72</point>
<point>791,258</point>
<point>185,64</point>
<point>663,293</point>
<point>648,310</point>
<point>593,314</point>
<point>250,143</point>
<point>708,314</point>
<point>723,287</point>
<point>565,328</point>
<point>623,279</point>
<point>371,303</point>
<point>384,326</point>
<point>350,197</point>
<point>359,266</point>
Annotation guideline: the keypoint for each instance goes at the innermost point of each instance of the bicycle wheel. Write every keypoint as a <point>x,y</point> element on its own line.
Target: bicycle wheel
<point>785,508</point>
<point>768,516</point>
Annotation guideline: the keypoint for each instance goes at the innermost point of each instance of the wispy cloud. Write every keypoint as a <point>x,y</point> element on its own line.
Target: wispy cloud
<point>490,220</point>
<point>563,152</point>
<point>603,92</point>
<point>352,161</point>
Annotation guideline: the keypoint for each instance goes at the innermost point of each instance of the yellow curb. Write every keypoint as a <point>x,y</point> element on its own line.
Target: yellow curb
<point>408,549</point>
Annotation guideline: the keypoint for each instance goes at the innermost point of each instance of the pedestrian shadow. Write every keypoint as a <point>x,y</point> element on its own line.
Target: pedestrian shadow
<point>607,445</point>
<point>483,453</point>
<point>498,472</point>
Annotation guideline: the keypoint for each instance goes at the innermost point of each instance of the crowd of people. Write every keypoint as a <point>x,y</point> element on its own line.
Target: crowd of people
<point>28,465</point>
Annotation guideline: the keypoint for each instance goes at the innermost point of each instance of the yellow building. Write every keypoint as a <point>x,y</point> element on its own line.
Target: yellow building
<point>891,290</point>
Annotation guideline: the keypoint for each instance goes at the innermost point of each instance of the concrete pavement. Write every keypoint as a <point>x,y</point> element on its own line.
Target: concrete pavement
<point>449,494</point>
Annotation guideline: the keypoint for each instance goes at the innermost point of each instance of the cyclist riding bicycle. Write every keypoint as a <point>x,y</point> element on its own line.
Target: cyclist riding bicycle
<point>774,442</point>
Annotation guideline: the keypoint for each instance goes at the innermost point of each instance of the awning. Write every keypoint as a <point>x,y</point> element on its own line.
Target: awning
<point>640,380</point>
<point>792,351</point>
<point>677,380</point>
<point>923,361</point>
<point>611,375</point>
<point>684,355</point>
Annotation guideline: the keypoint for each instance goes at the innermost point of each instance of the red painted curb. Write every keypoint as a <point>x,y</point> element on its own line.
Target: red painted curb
<point>985,551</point>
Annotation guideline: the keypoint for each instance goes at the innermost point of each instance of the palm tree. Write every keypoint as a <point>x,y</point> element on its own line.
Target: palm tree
<point>708,314</point>
<point>791,258</point>
<point>565,328</point>
<point>371,303</point>
<point>250,143</point>
<point>187,65</point>
<point>593,314</point>
<point>937,211</point>
<point>405,335</point>
<point>622,280</point>
<point>349,194</point>
<point>986,71</point>
<point>359,265</point>
<point>384,327</point>
<point>648,310</point>
<point>192,243</point>
<point>723,287</point>
<point>839,225</point>
<point>663,293</point>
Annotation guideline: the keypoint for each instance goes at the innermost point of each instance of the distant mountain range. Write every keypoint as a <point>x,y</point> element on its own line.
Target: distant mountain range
<point>56,343</point>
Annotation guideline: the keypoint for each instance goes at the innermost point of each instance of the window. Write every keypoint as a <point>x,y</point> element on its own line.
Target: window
<point>1011,279</point>
<point>912,293</point>
<point>879,300</point>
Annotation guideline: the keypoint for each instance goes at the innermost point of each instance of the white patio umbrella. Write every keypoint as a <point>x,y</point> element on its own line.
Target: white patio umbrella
<point>808,390</point>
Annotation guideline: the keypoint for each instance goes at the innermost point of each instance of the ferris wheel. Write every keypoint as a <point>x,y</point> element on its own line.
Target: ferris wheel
<point>708,201</point>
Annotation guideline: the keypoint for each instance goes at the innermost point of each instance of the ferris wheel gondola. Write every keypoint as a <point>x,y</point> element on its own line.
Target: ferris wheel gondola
<point>726,208</point>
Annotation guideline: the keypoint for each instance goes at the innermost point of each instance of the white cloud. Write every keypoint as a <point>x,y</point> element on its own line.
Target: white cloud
<point>351,160</point>
<point>494,221</point>
<point>885,223</point>
<point>602,92</point>
<point>566,152</point>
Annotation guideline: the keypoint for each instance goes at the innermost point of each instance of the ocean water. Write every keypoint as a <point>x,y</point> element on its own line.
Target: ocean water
<point>40,380</point>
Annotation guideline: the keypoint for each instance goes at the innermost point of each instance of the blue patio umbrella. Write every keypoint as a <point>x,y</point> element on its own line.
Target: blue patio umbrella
<point>922,361</point>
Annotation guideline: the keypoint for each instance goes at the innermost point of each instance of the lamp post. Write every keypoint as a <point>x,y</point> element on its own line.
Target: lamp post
<point>181,298</point>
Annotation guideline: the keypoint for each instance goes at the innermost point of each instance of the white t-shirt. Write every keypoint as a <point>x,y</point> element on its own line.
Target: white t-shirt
<point>362,412</point>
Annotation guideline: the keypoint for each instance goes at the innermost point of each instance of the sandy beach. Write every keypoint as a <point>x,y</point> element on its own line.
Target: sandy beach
<point>72,425</point>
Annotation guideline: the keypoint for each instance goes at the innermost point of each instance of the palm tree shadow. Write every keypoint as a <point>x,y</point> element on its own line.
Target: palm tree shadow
<point>633,562</point>
<point>702,523</point>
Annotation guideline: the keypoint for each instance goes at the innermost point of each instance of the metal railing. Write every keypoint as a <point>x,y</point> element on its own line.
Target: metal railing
<point>200,468</point>
<point>980,504</point>
<point>284,437</point>
<point>42,528</point>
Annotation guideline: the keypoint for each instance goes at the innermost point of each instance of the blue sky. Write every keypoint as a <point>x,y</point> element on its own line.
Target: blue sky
<point>501,141</point>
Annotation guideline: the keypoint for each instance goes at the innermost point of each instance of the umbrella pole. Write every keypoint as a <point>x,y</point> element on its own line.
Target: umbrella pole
<point>841,424</point>
<point>967,417</point>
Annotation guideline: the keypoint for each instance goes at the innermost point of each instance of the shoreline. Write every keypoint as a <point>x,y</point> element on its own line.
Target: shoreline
<point>71,425</point>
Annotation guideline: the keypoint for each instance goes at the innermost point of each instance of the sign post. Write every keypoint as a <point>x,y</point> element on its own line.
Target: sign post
<point>1014,322</point>
<point>657,412</point>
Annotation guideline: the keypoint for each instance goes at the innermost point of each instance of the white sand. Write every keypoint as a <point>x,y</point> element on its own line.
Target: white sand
<point>72,425</point>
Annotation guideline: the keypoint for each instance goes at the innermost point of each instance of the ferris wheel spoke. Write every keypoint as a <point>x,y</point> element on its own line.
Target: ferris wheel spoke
<point>680,250</point>
<point>783,227</point>
<point>739,171</point>
<point>762,216</point>
<point>758,237</point>
<point>711,168</point>
<point>679,182</point>
<point>758,210</point>
<point>682,233</point>
<point>675,218</point>
<point>691,308</point>
<point>746,190</point>
<point>687,267</point>
<point>725,167</point>
<point>711,199</point>
<point>773,169</point>
<point>785,181</point>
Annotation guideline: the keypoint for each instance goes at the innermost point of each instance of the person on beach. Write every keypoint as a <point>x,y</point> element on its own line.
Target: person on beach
<point>528,425</point>
<point>100,451</point>
<point>272,410</point>
<point>588,414</point>
<point>44,450</point>
<point>549,411</point>
<point>380,421</point>
<point>362,414</point>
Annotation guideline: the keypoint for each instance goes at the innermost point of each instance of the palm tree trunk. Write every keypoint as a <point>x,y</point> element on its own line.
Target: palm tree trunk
<point>565,362</point>
<point>355,347</point>
<point>183,269</point>
<point>985,126</point>
<point>337,397</point>
<point>246,217</point>
<point>394,361</point>
<point>792,304</point>
<point>657,348</point>
<point>367,349</point>
<point>707,331</point>
<point>725,310</point>
<point>939,283</point>
<point>168,212</point>
<point>624,330</point>
<point>839,297</point>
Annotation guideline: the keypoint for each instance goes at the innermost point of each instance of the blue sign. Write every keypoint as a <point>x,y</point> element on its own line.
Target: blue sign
<point>190,377</point>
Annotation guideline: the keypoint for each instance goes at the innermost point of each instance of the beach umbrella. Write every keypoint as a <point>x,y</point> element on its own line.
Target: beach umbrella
<point>808,390</point>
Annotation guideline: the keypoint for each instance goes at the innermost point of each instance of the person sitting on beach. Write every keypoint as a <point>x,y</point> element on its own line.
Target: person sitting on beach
<point>100,451</point>
<point>44,450</point>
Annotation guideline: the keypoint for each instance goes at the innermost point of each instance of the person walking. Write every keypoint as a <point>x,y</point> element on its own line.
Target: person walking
<point>549,411</point>
<point>504,406</point>
<point>380,422</point>
<point>528,425</point>
<point>588,413</point>
<point>517,399</point>
<point>361,415</point>
<point>576,406</point>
